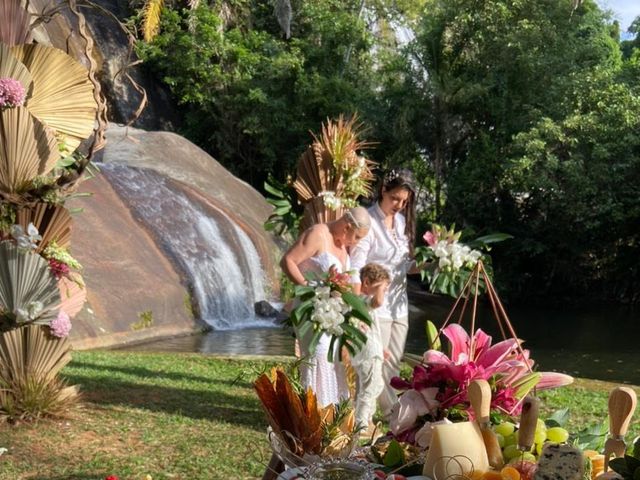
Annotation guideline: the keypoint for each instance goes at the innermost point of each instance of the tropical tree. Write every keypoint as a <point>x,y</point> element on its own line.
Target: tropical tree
<point>251,96</point>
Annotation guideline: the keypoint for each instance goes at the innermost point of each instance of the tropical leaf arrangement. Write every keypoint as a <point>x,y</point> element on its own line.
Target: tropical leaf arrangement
<point>331,173</point>
<point>47,108</point>
<point>327,305</point>
<point>287,213</point>
<point>301,427</point>
<point>38,286</point>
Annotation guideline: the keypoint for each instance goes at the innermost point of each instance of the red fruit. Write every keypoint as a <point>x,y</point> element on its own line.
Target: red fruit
<point>527,469</point>
<point>380,475</point>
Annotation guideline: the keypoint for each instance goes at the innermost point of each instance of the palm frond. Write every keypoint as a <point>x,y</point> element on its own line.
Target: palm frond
<point>11,67</point>
<point>151,12</point>
<point>27,148</point>
<point>52,221</point>
<point>30,360</point>
<point>331,164</point>
<point>26,278</point>
<point>14,23</point>
<point>62,96</point>
<point>45,355</point>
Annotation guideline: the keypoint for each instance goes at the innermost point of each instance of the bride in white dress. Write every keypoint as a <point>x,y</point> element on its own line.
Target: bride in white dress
<point>316,250</point>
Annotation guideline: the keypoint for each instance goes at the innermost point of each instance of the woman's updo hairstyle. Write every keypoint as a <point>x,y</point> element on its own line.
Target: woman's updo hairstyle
<point>403,177</point>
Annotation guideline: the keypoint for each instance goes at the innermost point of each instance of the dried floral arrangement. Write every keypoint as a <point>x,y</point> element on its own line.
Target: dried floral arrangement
<point>52,121</point>
<point>332,174</point>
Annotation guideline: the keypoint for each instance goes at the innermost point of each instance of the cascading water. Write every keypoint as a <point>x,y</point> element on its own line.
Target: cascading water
<point>226,281</point>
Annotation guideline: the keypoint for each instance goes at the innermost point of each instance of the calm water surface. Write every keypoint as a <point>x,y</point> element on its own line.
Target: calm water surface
<point>600,343</point>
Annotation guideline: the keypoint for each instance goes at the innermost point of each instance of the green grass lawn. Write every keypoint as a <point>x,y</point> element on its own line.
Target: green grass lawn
<point>178,416</point>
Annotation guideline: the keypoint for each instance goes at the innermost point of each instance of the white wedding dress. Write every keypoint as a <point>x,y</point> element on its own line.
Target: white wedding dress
<point>326,379</point>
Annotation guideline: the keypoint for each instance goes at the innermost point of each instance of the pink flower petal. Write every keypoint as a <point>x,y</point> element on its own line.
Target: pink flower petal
<point>430,238</point>
<point>553,380</point>
<point>481,342</point>
<point>497,352</point>
<point>435,356</point>
<point>410,406</point>
<point>459,340</point>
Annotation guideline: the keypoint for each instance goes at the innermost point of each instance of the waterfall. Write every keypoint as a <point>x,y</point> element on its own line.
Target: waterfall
<point>200,238</point>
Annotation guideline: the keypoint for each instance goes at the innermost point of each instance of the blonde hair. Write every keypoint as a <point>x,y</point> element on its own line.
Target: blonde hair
<point>375,273</point>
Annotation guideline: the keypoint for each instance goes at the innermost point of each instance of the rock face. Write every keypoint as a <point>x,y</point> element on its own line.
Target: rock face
<point>126,275</point>
<point>138,286</point>
<point>112,52</point>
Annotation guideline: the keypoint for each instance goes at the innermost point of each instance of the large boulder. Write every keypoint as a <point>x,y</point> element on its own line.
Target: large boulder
<point>141,255</point>
<point>133,291</point>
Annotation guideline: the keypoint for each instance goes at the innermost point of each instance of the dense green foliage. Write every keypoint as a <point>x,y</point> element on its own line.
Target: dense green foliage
<point>253,96</point>
<point>519,116</point>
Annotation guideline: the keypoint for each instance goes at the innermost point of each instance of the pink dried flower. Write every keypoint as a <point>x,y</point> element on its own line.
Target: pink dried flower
<point>58,268</point>
<point>60,326</point>
<point>12,93</point>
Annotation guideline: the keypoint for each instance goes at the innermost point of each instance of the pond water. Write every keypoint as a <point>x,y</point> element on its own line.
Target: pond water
<point>600,343</point>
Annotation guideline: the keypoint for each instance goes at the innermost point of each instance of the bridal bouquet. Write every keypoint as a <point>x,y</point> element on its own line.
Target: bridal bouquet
<point>328,305</point>
<point>451,261</point>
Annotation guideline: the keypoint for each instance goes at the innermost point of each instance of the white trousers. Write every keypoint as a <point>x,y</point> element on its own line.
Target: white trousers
<point>394,336</point>
<point>370,386</point>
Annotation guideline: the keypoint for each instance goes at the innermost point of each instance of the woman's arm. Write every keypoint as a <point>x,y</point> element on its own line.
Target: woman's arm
<point>307,245</point>
<point>358,257</point>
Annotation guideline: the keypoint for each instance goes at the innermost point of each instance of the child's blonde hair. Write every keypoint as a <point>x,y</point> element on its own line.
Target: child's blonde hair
<point>374,273</point>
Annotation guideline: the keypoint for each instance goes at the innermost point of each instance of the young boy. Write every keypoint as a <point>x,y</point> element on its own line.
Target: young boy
<point>368,361</point>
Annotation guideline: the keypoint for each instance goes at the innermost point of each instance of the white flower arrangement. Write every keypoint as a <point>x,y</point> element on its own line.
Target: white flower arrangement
<point>328,305</point>
<point>449,262</point>
<point>453,256</point>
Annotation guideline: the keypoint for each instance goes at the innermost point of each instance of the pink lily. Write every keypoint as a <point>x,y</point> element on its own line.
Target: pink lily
<point>441,381</point>
<point>430,238</point>
<point>476,358</point>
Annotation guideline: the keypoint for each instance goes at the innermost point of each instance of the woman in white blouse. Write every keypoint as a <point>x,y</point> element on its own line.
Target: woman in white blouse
<point>390,244</point>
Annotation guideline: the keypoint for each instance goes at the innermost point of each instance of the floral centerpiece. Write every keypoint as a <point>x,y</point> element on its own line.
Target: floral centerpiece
<point>327,305</point>
<point>451,260</point>
<point>437,389</point>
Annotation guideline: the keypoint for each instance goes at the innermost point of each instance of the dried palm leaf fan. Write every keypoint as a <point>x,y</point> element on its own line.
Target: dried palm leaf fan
<point>14,23</point>
<point>72,294</point>
<point>30,360</point>
<point>31,349</point>
<point>11,67</point>
<point>331,166</point>
<point>27,149</point>
<point>52,221</point>
<point>25,278</point>
<point>62,95</point>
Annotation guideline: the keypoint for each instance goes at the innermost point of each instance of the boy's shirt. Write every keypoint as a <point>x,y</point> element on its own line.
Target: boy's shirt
<point>373,347</point>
